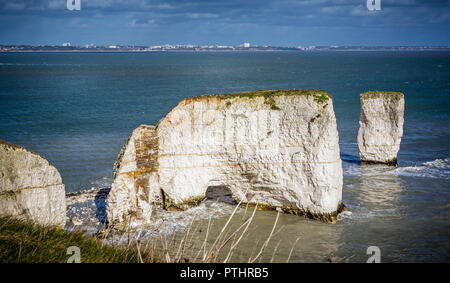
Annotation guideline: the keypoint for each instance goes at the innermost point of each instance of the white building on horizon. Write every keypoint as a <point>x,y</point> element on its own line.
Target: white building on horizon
<point>66,44</point>
<point>246,45</point>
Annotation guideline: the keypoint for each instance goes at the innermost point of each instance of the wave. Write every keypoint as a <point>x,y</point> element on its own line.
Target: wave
<point>103,182</point>
<point>439,168</point>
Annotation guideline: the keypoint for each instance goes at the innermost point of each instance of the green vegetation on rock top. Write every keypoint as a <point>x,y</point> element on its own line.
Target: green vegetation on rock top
<point>320,94</point>
<point>380,94</point>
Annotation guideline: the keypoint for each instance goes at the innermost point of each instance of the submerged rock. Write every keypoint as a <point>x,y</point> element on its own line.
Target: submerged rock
<point>279,149</point>
<point>380,127</point>
<point>30,187</point>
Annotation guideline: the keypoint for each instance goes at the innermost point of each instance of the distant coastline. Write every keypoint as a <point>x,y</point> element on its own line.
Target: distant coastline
<point>209,48</point>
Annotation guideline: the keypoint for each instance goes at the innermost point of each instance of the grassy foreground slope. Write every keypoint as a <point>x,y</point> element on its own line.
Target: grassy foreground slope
<point>22,241</point>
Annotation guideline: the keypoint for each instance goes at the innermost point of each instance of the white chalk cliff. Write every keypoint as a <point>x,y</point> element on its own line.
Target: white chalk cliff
<point>279,149</point>
<point>30,187</point>
<point>380,127</point>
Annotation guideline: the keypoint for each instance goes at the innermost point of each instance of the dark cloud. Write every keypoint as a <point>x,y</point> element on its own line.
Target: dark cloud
<point>278,22</point>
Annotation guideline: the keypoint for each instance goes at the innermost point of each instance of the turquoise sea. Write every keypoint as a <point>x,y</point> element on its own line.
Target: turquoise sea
<point>77,109</point>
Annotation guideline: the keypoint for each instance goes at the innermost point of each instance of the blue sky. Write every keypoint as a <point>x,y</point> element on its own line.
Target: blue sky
<point>230,22</point>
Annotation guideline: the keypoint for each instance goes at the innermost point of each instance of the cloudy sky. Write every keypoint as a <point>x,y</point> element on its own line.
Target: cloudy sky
<point>226,22</point>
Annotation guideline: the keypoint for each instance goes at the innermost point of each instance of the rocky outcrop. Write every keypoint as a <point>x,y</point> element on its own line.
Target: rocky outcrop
<point>276,148</point>
<point>380,127</point>
<point>136,184</point>
<point>30,187</point>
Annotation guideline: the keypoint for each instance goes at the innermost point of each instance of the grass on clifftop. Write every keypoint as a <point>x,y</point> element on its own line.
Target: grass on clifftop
<point>382,94</point>
<point>22,241</point>
<point>320,96</point>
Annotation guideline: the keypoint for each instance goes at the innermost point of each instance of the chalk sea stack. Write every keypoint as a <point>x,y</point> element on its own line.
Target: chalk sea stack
<point>380,127</point>
<point>30,187</point>
<point>275,148</point>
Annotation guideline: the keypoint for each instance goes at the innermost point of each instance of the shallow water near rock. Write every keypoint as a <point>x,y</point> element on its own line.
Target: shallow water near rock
<point>375,217</point>
<point>78,109</point>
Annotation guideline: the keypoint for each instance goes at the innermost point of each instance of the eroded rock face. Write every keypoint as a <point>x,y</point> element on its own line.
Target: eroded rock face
<point>135,185</point>
<point>30,187</point>
<point>275,148</point>
<point>380,127</point>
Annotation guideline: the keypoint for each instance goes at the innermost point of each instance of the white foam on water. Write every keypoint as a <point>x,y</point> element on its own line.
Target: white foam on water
<point>365,213</point>
<point>439,168</point>
<point>367,171</point>
<point>352,171</point>
<point>86,210</point>
<point>104,182</point>
<point>343,215</point>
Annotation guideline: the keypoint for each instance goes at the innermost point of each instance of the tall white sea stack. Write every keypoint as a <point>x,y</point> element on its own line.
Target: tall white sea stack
<point>380,127</point>
<point>30,187</point>
<point>279,149</point>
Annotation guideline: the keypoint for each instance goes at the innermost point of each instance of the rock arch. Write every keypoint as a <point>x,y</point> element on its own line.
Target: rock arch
<point>276,148</point>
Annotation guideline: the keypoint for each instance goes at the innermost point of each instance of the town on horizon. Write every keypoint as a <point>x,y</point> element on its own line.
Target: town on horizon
<point>246,46</point>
